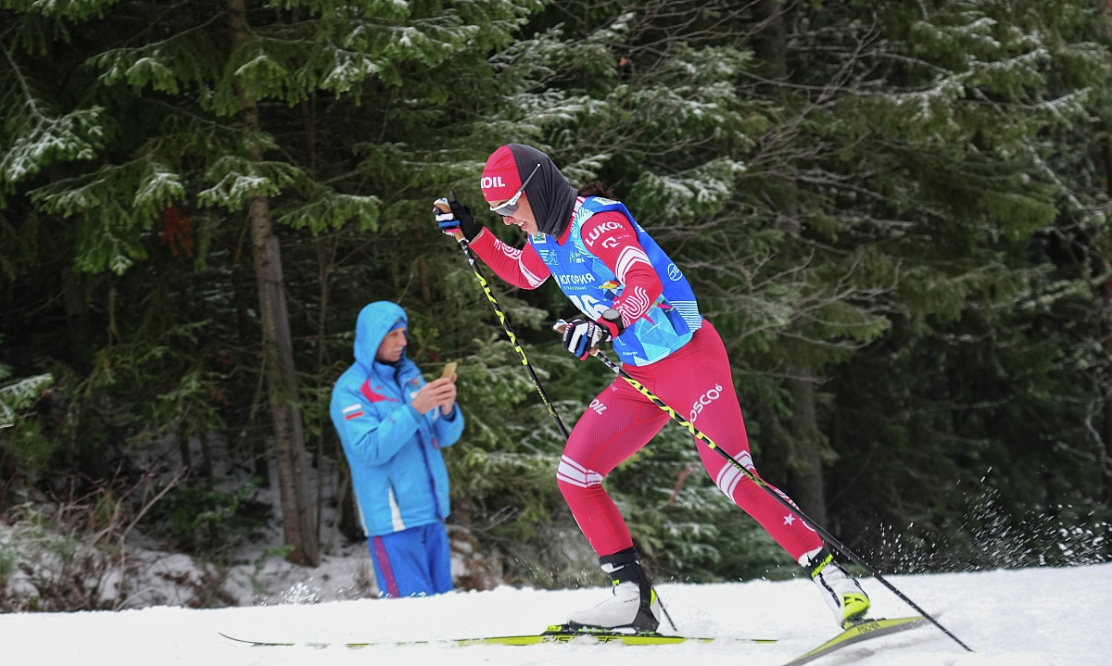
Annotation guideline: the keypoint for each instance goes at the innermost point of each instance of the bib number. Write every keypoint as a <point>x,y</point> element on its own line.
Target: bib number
<point>589,305</point>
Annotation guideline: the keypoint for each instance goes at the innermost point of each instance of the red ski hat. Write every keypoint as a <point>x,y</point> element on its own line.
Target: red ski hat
<point>551,196</point>
<point>500,179</point>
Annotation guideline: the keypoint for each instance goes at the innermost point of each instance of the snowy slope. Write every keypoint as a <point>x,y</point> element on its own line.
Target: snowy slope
<point>1030,617</point>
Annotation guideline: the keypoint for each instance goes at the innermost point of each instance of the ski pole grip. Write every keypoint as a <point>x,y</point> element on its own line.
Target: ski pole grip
<point>561,325</point>
<point>445,208</point>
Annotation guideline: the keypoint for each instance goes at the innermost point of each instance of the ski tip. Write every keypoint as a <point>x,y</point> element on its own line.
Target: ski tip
<point>865,629</point>
<point>258,643</point>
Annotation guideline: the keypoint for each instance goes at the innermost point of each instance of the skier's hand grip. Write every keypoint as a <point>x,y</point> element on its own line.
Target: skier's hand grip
<point>442,206</point>
<point>560,326</point>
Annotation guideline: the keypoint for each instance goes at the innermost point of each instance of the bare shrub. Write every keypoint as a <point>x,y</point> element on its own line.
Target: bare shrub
<point>70,553</point>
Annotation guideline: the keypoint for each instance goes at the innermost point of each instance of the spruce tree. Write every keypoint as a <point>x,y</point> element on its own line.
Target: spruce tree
<point>926,182</point>
<point>208,122</point>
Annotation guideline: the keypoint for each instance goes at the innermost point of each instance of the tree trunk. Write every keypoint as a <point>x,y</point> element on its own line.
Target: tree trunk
<point>1106,450</point>
<point>1106,458</point>
<point>325,250</point>
<point>805,482</point>
<point>256,443</point>
<point>298,517</point>
<point>770,41</point>
<point>206,456</point>
<point>350,526</point>
<point>78,321</point>
<point>183,450</point>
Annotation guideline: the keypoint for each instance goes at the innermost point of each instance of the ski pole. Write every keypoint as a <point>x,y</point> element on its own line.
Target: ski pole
<point>827,536</point>
<point>466,246</point>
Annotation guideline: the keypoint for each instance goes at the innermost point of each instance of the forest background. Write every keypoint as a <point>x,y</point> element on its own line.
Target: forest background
<point>896,214</point>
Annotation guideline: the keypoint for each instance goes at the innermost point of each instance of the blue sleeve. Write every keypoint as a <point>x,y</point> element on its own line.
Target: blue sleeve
<point>448,429</point>
<point>374,435</point>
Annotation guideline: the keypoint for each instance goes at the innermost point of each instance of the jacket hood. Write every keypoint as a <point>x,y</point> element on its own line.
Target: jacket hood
<point>374,322</point>
<point>551,196</point>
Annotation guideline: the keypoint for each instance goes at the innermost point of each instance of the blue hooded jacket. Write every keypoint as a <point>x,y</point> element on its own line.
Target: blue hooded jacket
<point>394,452</point>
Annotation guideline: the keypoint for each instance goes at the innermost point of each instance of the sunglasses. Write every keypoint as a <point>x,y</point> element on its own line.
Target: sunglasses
<point>509,207</point>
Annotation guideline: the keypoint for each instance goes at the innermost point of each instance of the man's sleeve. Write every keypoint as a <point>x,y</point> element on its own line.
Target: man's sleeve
<point>612,238</point>
<point>372,439</point>
<point>521,268</point>
<point>448,428</point>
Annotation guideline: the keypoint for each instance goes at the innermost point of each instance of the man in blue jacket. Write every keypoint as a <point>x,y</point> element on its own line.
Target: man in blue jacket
<point>392,425</point>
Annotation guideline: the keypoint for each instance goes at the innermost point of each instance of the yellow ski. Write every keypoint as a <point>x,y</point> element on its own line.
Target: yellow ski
<point>864,630</point>
<point>557,633</point>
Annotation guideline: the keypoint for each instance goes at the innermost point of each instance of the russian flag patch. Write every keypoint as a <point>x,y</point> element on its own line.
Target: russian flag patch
<point>353,411</point>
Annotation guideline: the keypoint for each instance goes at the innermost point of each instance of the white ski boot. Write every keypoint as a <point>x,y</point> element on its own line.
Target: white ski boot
<point>633,602</point>
<point>841,591</point>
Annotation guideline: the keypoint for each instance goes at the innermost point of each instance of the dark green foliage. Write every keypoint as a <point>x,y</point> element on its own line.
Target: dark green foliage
<point>894,213</point>
<point>211,523</point>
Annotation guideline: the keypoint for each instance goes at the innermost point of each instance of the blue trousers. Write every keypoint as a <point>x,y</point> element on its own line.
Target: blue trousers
<point>413,562</point>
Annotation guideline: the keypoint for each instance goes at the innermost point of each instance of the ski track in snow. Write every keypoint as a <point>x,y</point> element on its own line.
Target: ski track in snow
<point>1025,617</point>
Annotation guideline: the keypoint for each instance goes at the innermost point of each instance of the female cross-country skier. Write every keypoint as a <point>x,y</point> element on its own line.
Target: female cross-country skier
<point>630,293</point>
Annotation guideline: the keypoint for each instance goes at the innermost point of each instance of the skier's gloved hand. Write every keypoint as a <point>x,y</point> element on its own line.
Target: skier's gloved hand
<point>581,335</point>
<point>453,216</point>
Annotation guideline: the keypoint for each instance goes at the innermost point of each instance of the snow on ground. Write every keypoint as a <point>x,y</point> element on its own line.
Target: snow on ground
<point>1026,617</point>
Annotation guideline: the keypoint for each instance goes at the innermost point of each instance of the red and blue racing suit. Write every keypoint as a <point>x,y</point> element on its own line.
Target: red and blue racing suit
<point>604,260</point>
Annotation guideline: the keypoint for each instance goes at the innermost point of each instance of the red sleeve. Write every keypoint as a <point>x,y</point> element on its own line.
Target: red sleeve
<point>521,268</point>
<point>611,237</point>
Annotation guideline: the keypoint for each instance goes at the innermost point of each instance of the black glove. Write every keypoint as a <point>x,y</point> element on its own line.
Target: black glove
<point>581,335</point>
<point>452,215</point>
